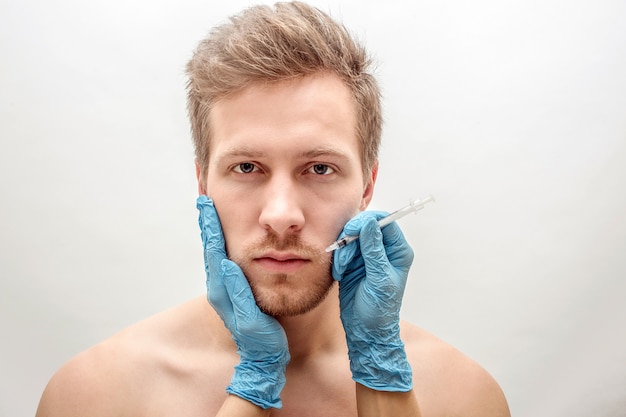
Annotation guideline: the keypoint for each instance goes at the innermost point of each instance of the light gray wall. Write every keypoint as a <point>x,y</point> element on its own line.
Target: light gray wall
<point>513,114</point>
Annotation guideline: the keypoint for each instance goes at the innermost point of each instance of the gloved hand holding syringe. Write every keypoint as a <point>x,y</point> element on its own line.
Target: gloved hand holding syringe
<point>413,207</point>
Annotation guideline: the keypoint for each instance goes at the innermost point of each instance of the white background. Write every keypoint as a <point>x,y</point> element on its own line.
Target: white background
<point>513,114</point>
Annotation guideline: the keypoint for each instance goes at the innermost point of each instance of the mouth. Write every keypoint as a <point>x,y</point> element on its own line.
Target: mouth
<point>281,262</point>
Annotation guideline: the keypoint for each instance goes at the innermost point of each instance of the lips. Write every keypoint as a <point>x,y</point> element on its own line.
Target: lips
<point>280,262</point>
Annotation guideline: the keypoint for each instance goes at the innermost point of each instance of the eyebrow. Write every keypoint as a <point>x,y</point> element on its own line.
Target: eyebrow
<point>323,151</point>
<point>242,151</point>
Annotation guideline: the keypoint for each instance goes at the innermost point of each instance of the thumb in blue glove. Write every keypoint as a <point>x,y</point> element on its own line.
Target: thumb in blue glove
<point>261,341</point>
<point>372,274</point>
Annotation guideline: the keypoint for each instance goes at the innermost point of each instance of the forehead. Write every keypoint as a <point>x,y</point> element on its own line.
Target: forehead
<point>313,112</point>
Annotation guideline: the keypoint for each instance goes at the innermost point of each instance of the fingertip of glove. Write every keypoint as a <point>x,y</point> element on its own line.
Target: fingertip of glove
<point>228,267</point>
<point>232,275</point>
<point>203,201</point>
<point>372,220</point>
<point>336,274</point>
<point>341,259</point>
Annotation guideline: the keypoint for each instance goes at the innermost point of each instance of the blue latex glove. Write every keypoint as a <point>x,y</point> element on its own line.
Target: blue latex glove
<point>261,341</point>
<point>372,274</point>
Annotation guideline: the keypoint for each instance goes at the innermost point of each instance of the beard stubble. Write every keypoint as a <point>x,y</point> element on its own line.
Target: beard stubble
<point>287,295</point>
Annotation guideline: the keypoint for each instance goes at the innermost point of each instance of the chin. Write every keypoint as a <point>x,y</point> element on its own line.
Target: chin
<point>285,301</point>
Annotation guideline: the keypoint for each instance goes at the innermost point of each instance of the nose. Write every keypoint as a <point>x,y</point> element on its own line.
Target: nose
<point>281,207</point>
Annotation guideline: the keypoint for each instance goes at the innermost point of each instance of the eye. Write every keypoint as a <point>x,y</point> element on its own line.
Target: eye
<point>321,169</point>
<point>245,168</point>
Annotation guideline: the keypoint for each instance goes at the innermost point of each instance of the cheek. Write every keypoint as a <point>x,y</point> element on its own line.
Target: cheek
<point>338,214</point>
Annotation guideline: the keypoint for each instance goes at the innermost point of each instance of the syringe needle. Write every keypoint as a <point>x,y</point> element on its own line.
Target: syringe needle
<point>413,207</point>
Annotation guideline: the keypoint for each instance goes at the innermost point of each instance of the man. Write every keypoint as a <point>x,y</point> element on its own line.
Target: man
<point>286,122</point>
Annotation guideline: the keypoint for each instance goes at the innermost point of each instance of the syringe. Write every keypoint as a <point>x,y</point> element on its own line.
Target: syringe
<point>414,206</point>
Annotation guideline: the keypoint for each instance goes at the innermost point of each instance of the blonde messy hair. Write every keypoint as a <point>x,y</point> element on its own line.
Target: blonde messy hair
<point>270,44</point>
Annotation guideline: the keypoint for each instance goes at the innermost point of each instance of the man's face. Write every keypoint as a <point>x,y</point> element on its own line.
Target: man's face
<point>285,175</point>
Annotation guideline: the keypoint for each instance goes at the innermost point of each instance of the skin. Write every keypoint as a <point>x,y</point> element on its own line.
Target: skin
<point>179,362</point>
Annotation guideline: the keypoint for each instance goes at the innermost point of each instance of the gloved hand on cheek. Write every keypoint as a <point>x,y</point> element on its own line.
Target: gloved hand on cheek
<point>260,339</point>
<point>372,274</point>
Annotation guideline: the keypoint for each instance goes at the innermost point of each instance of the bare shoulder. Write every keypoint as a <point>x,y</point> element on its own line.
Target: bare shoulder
<point>449,383</point>
<point>72,389</point>
<point>172,352</point>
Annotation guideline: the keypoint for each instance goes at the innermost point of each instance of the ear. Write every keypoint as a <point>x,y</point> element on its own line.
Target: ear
<point>368,190</point>
<point>201,186</point>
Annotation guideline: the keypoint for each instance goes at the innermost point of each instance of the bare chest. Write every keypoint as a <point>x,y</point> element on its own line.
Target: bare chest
<point>312,395</point>
<point>321,389</point>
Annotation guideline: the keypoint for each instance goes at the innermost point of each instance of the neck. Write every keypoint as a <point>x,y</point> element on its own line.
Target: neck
<point>317,330</point>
